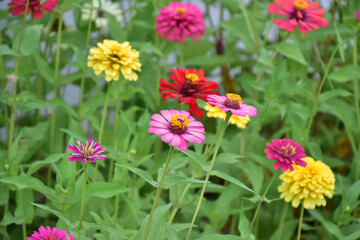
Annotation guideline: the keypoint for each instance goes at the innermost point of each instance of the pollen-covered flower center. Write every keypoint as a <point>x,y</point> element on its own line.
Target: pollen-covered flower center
<point>301,4</point>
<point>179,123</point>
<point>288,151</point>
<point>232,101</point>
<point>192,77</point>
<point>180,10</point>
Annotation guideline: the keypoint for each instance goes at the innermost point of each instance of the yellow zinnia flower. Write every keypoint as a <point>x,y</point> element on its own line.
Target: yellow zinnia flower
<point>216,112</point>
<point>309,183</point>
<point>112,57</point>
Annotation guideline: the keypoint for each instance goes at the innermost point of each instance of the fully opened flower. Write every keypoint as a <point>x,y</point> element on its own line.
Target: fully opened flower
<point>180,20</point>
<point>357,15</point>
<point>232,102</point>
<point>50,234</point>
<point>188,84</point>
<point>35,6</point>
<point>286,152</point>
<point>100,7</point>
<point>89,152</point>
<point>216,112</point>
<point>177,127</point>
<point>310,184</point>
<point>298,12</point>
<point>111,57</point>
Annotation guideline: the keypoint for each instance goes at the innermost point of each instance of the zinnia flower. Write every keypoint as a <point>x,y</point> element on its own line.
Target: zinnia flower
<point>112,57</point>
<point>177,127</point>
<point>87,152</point>
<point>298,12</point>
<point>19,6</point>
<point>188,84</point>
<point>216,112</point>
<point>287,152</point>
<point>357,15</point>
<point>180,20</point>
<point>100,7</point>
<point>50,234</point>
<point>309,183</point>
<point>232,102</point>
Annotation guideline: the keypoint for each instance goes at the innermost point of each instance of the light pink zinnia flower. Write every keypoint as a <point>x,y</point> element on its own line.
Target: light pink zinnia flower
<point>287,152</point>
<point>34,6</point>
<point>50,234</point>
<point>179,20</point>
<point>232,102</point>
<point>357,15</point>
<point>88,152</point>
<point>177,127</point>
<point>298,12</point>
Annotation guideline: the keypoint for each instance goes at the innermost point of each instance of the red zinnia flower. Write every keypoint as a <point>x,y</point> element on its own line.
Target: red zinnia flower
<point>35,7</point>
<point>188,84</point>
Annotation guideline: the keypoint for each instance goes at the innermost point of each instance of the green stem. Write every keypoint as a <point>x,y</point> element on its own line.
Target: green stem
<point>255,39</point>
<point>83,198</point>
<point>260,202</point>
<point>23,214</point>
<point>282,220</point>
<point>159,191</point>
<point>356,98</point>
<point>16,71</point>
<point>129,24</point>
<point>103,124</point>
<point>217,147</point>
<point>277,50</point>
<point>307,131</point>
<point>181,56</point>
<point>82,85</point>
<point>210,147</point>
<point>300,222</point>
<point>117,199</point>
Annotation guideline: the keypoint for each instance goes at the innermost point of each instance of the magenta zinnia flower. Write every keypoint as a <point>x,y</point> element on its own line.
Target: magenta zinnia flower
<point>232,102</point>
<point>177,127</point>
<point>357,15</point>
<point>18,7</point>
<point>287,152</point>
<point>50,234</point>
<point>180,20</point>
<point>88,152</point>
<point>298,12</point>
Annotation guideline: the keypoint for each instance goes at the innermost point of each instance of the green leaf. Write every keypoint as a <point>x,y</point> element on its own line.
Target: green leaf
<point>30,39</point>
<point>141,173</point>
<point>341,43</point>
<point>221,237</point>
<point>56,213</point>
<point>170,181</point>
<point>104,189</point>
<point>244,224</point>
<point>10,219</point>
<point>116,31</point>
<point>229,178</point>
<point>333,94</point>
<point>5,50</point>
<point>34,166</point>
<point>329,226</point>
<point>345,74</point>
<point>43,67</point>
<point>293,52</point>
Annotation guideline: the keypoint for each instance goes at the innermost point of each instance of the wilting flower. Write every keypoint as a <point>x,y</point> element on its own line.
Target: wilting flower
<point>87,152</point>
<point>50,234</point>
<point>188,84</point>
<point>232,102</point>
<point>100,7</point>
<point>216,112</point>
<point>180,20</point>
<point>35,6</point>
<point>112,57</point>
<point>177,127</point>
<point>287,152</point>
<point>357,15</point>
<point>298,12</point>
<point>308,183</point>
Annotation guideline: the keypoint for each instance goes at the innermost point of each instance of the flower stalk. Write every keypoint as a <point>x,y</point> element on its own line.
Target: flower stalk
<point>83,198</point>
<point>300,222</point>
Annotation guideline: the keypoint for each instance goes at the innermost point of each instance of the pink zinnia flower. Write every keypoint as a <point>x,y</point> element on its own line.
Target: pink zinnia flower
<point>357,15</point>
<point>34,6</point>
<point>88,152</point>
<point>287,152</point>
<point>179,20</point>
<point>50,234</point>
<point>298,12</point>
<point>232,102</point>
<point>177,127</point>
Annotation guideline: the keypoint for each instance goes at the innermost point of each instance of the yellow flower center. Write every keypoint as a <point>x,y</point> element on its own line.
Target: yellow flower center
<point>232,101</point>
<point>301,4</point>
<point>181,11</point>
<point>192,77</point>
<point>179,123</point>
<point>288,151</point>
<point>233,97</point>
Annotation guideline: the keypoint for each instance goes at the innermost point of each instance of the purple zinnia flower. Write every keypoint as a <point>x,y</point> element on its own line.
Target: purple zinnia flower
<point>177,127</point>
<point>232,102</point>
<point>89,152</point>
<point>50,234</point>
<point>287,152</point>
